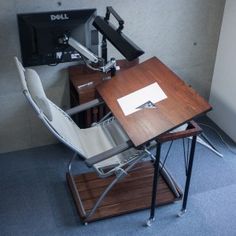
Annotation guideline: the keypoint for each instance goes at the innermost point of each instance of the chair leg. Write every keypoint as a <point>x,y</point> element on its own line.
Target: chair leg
<point>87,215</point>
<point>109,187</point>
<point>105,192</point>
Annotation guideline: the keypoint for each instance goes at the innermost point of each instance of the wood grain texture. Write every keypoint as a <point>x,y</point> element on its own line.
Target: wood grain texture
<point>182,103</point>
<point>130,194</point>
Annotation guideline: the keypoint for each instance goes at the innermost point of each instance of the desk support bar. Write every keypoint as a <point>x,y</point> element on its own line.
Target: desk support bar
<point>155,182</point>
<point>189,174</point>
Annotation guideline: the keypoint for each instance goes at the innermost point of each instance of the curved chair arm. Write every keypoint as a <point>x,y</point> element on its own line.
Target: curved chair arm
<point>84,107</point>
<point>109,153</point>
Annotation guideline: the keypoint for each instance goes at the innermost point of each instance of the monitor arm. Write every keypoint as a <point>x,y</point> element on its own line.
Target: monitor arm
<point>110,66</point>
<point>82,50</point>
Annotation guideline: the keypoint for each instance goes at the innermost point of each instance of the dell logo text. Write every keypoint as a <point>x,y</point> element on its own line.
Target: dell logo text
<point>59,17</point>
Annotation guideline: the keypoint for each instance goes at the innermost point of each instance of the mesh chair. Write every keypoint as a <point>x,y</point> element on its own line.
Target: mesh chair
<point>104,146</point>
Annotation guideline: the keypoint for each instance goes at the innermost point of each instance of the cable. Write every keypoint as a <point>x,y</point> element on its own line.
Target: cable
<point>186,155</point>
<point>88,65</point>
<point>167,153</point>
<point>220,136</point>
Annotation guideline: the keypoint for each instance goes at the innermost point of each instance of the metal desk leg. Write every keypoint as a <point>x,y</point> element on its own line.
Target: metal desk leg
<point>154,186</point>
<point>188,177</point>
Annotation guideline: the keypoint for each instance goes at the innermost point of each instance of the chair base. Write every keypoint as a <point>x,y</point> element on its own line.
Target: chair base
<point>131,194</point>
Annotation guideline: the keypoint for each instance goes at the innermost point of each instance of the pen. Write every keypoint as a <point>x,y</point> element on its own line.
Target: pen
<point>85,85</point>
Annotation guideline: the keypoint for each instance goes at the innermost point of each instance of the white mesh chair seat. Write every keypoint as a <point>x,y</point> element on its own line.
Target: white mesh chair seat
<point>94,140</point>
<point>103,137</point>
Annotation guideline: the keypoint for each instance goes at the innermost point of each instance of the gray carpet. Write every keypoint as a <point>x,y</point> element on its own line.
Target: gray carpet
<point>35,200</point>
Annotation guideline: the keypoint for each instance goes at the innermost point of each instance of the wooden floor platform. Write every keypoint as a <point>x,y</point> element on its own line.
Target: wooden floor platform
<point>132,193</point>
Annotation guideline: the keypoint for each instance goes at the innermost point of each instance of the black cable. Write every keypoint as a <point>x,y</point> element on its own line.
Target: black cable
<point>220,136</point>
<point>167,153</point>
<point>185,156</point>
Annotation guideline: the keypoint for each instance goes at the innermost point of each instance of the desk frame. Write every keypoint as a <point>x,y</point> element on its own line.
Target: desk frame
<point>193,130</point>
<point>181,106</point>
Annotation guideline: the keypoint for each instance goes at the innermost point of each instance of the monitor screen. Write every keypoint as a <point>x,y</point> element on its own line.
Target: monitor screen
<point>39,33</point>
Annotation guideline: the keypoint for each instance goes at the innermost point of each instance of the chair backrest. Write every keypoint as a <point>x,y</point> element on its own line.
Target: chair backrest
<point>58,122</point>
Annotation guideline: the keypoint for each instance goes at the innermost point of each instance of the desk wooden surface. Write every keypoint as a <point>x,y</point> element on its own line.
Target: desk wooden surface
<point>182,103</point>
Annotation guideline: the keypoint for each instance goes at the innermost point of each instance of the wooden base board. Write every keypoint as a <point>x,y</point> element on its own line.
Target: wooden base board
<point>132,193</point>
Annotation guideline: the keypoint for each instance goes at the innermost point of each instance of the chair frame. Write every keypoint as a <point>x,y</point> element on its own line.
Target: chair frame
<point>119,172</point>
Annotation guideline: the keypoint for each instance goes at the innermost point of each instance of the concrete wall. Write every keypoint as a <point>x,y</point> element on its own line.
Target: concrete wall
<point>183,34</point>
<point>223,94</point>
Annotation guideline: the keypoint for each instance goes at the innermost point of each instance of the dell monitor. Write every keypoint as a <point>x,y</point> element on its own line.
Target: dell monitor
<point>39,34</point>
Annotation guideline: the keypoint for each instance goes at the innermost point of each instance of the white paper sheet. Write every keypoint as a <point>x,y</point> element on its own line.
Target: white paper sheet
<point>132,101</point>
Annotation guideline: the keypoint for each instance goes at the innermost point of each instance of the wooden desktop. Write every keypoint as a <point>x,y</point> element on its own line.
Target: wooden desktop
<point>182,103</point>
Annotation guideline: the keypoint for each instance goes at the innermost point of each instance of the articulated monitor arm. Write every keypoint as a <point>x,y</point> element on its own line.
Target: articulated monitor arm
<point>85,52</point>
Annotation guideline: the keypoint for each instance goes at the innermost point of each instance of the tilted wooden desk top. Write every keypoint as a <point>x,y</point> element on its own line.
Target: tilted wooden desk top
<point>182,103</point>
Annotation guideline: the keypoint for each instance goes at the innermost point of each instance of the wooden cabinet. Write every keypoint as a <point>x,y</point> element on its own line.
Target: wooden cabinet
<point>83,82</point>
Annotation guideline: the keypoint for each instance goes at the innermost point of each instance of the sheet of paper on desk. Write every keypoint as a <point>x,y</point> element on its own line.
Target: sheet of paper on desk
<point>132,101</point>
